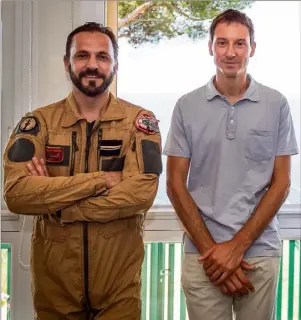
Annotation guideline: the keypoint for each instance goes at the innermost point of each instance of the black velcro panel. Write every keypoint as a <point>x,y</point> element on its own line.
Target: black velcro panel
<point>110,148</point>
<point>22,150</point>
<point>111,142</point>
<point>109,152</point>
<point>151,157</point>
<point>115,164</point>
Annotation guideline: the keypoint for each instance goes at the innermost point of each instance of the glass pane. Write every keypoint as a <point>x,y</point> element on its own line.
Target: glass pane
<point>157,66</point>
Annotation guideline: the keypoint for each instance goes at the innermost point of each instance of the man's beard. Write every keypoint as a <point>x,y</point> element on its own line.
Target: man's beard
<point>91,90</point>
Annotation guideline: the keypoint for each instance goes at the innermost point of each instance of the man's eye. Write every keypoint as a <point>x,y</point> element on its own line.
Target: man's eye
<point>81,56</point>
<point>103,57</point>
<point>221,43</point>
<point>240,43</point>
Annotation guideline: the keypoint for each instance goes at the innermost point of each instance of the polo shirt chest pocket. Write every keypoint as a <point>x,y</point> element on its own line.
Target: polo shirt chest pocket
<point>259,145</point>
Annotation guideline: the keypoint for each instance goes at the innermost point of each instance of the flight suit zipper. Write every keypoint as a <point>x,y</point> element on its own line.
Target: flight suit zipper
<point>74,149</point>
<point>98,148</point>
<point>85,231</point>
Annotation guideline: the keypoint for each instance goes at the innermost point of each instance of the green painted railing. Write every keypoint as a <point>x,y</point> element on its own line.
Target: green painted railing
<point>5,279</point>
<point>163,298</point>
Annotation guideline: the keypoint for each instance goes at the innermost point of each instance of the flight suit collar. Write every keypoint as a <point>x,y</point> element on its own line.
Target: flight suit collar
<point>113,111</point>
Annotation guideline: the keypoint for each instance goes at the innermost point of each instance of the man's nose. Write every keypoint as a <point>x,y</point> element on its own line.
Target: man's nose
<point>92,63</point>
<point>230,53</point>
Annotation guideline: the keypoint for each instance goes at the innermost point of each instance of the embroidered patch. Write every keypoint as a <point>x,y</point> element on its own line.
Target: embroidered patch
<point>147,123</point>
<point>54,154</point>
<point>29,125</point>
<point>57,155</point>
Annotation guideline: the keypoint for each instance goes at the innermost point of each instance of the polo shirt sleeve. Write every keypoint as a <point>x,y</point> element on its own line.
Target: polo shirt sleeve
<point>287,143</point>
<point>177,143</point>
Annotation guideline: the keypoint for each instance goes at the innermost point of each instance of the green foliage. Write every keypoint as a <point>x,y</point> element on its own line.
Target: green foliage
<point>150,21</point>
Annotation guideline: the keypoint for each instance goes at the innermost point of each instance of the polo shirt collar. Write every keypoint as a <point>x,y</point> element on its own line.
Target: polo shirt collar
<point>251,94</point>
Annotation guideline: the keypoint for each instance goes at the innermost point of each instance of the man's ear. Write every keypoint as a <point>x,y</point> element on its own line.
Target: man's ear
<point>253,49</point>
<point>116,68</point>
<point>210,47</point>
<point>66,63</point>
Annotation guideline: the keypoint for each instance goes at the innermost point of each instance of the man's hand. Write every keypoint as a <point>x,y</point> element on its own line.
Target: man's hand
<point>221,260</point>
<point>237,284</point>
<point>112,179</point>
<point>37,167</point>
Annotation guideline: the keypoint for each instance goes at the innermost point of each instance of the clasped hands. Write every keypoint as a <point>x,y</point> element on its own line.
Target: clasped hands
<point>224,266</point>
<point>37,167</point>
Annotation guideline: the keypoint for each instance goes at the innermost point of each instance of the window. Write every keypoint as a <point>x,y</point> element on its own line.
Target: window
<point>155,71</point>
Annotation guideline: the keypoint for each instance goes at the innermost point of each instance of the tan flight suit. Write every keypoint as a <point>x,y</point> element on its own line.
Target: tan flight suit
<point>87,245</point>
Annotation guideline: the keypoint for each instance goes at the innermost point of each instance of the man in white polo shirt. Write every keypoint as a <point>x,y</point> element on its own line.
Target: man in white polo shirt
<point>233,138</point>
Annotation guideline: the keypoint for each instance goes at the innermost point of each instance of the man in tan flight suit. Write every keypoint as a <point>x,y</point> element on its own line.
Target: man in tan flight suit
<point>87,168</point>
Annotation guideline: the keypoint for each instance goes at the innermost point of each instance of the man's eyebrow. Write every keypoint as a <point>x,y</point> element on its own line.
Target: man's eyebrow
<point>240,39</point>
<point>81,51</point>
<point>99,52</point>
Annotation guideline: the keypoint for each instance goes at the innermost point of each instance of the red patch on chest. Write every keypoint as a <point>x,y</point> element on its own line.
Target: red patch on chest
<point>54,154</point>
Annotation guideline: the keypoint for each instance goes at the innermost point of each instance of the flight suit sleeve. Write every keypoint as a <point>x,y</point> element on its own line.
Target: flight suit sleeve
<point>136,192</point>
<point>25,194</point>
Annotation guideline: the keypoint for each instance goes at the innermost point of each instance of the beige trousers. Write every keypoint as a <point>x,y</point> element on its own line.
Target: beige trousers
<point>207,302</point>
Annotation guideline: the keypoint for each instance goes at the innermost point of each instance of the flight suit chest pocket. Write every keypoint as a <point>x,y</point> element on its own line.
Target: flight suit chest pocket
<point>60,154</point>
<point>110,155</point>
<point>259,145</point>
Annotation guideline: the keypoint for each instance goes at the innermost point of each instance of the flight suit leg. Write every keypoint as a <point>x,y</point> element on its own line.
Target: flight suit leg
<point>126,309</point>
<point>54,315</point>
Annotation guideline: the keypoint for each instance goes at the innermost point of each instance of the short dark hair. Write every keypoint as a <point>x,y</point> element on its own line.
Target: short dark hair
<point>93,27</point>
<point>230,16</point>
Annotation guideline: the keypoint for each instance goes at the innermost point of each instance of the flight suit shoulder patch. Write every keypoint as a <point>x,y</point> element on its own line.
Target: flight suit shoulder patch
<point>151,157</point>
<point>28,125</point>
<point>22,150</point>
<point>147,123</point>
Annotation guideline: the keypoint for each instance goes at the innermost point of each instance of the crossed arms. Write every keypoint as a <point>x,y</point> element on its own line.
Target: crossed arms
<point>84,196</point>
